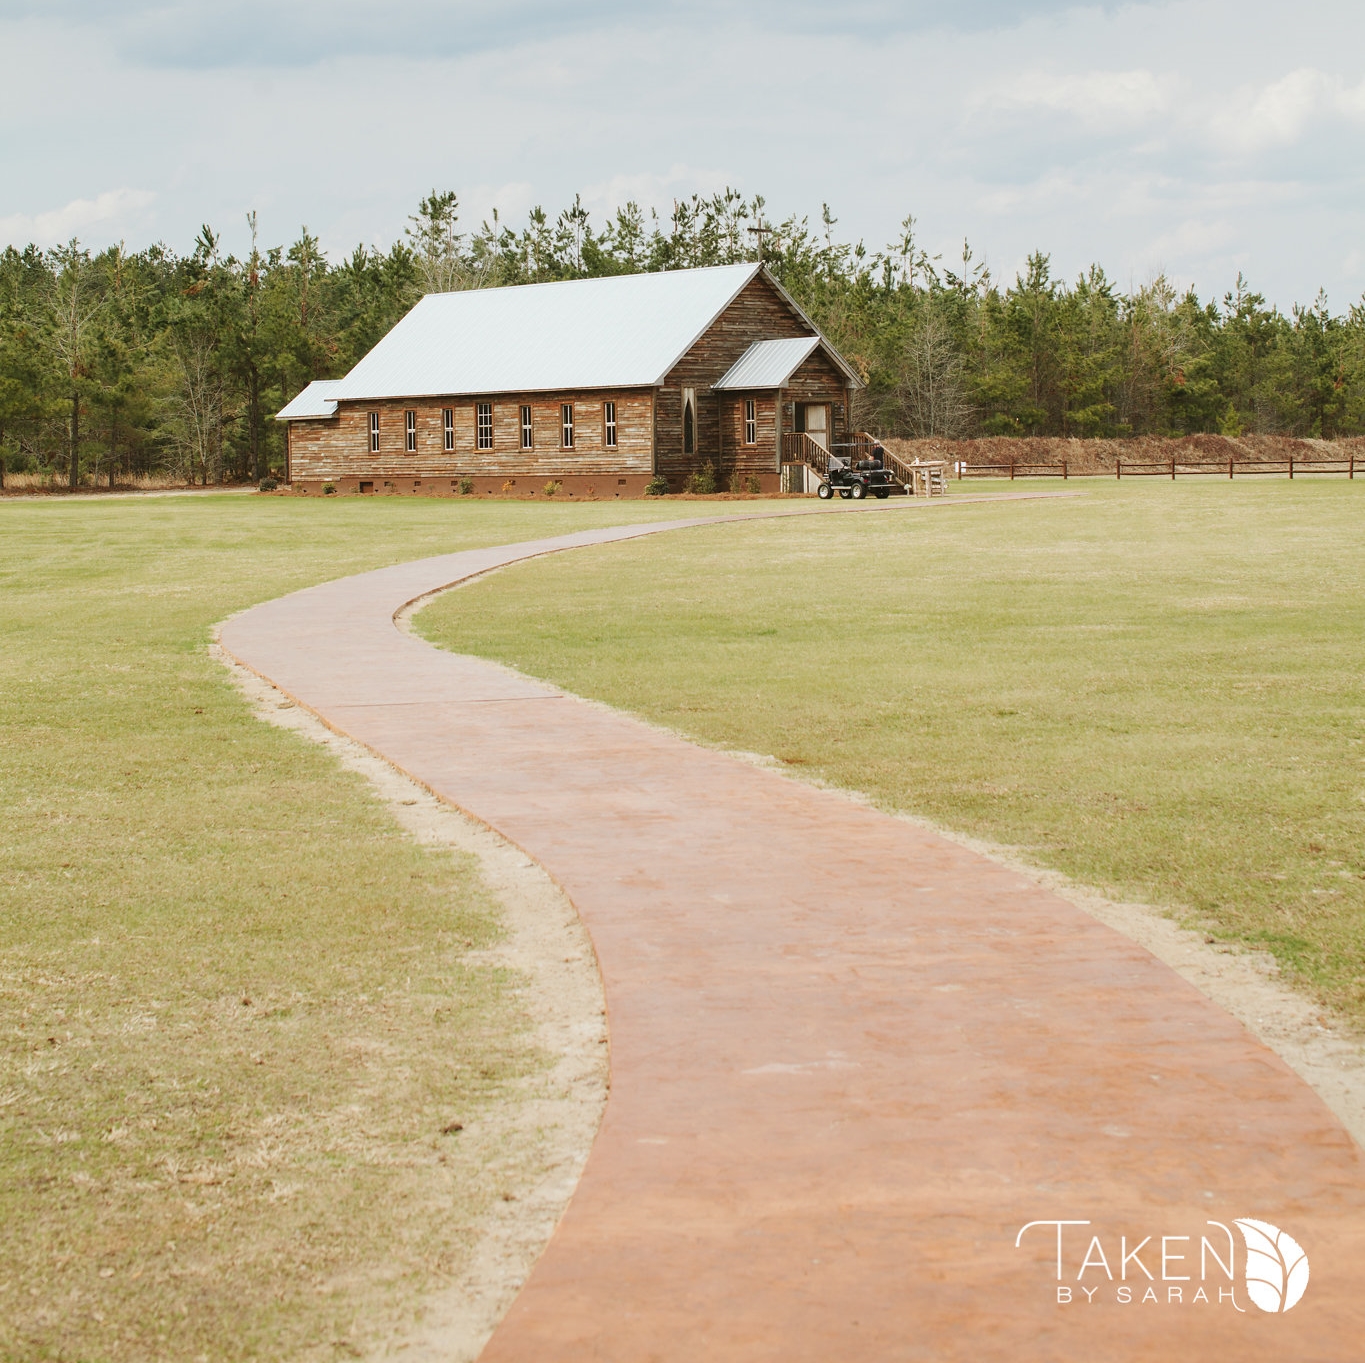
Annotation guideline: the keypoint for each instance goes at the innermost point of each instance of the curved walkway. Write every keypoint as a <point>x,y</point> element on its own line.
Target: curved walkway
<point>850,1059</point>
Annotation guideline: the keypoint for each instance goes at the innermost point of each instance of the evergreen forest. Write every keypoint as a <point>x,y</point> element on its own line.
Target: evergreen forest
<point>116,364</point>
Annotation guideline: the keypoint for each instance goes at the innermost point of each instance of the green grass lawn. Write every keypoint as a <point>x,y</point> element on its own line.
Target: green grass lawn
<point>235,1010</point>
<point>1155,688</point>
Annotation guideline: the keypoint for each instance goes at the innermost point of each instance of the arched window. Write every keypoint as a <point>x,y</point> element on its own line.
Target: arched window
<point>689,421</point>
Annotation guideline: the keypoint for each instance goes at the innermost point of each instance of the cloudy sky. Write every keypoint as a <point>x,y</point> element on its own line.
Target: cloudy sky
<point>1199,137</point>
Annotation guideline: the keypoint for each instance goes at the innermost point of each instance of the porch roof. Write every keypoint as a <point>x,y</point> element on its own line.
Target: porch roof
<point>768,364</point>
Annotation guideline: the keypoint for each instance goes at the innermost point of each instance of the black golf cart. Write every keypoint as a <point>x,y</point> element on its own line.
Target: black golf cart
<point>856,478</point>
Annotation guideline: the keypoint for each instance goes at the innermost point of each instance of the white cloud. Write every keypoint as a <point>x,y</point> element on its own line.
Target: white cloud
<point>1110,97</point>
<point>1280,113</point>
<point>1052,191</point>
<point>1193,236</point>
<point>114,211</point>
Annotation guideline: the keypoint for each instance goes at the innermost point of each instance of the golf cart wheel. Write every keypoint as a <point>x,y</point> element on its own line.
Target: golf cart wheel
<point>845,493</point>
<point>857,492</point>
<point>882,495</point>
<point>824,492</point>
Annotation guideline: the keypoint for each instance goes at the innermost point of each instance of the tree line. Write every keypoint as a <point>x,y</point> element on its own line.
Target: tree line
<point>117,363</point>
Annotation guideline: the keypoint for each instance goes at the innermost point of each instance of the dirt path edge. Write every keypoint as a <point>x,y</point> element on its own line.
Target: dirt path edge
<point>554,1115</point>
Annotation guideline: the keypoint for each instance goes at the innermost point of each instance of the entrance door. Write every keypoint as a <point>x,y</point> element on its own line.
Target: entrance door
<point>817,424</point>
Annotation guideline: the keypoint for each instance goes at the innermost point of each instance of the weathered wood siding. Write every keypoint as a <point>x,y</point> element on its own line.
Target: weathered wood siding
<point>761,456</point>
<point>759,313</point>
<point>339,448</point>
<point>309,442</point>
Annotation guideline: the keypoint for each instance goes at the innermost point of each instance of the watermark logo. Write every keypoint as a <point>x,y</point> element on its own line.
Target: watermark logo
<point>1276,1267</point>
<point>1161,1269</point>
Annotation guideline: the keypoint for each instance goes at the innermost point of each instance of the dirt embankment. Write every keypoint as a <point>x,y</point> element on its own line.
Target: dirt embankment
<point>1095,456</point>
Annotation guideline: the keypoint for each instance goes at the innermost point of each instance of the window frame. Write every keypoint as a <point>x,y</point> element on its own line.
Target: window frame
<point>374,432</point>
<point>689,421</point>
<point>609,424</point>
<point>410,430</point>
<point>528,428</point>
<point>448,426</point>
<point>483,425</point>
<point>750,421</point>
<point>566,424</point>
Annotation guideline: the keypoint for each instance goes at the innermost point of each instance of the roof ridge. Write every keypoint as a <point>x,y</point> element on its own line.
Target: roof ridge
<point>595,279</point>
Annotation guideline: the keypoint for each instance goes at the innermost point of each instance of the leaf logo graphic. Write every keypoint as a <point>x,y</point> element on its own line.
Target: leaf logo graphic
<point>1277,1269</point>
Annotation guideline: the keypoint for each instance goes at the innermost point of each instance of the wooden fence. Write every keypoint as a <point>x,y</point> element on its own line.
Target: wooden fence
<point>1015,469</point>
<point>1164,468</point>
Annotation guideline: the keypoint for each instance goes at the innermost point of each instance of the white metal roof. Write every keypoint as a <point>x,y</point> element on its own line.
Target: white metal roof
<point>622,331</point>
<point>768,364</point>
<point>314,401</point>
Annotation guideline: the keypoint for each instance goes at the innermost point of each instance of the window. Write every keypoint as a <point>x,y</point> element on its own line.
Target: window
<point>750,422</point>
<point>448,426</point>
<point>609,424</point>
<point>374,432</point>
<point>527,434</point>
<point>566,421</point>
<point>410,432</point>
<point>689,418</point>
<point>485,425</point>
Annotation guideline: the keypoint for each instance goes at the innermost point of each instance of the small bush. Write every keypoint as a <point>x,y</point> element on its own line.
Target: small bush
<point>703,482</point>
<point>509,487</point>
<point>735,483</point>
<point>751,484</point>
<point>329,489</point>
<point>466,486</point>
<point>657,486</point>
<point>552,487</point>
<point>269,483</point>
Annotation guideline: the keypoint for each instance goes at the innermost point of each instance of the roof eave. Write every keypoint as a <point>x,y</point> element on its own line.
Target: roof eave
<point>628,386</point>
<point>285,415</point>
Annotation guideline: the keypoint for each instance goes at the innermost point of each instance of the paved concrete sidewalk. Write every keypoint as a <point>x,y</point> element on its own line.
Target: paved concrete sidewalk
<point>850,1060</point>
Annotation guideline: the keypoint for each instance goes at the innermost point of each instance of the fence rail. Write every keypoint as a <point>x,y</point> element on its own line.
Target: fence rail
<point>1014,469</point>
<point>1165,468</point>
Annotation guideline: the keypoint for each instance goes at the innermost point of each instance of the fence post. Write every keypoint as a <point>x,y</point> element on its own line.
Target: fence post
<point>1172,468</point>
<point>1229,468</point>
<point>2,472</point>
<point>1063,470</point>
<point>1118,468</point>
<point>1291,468</point>
<point>1011,468</point>
<point>1352,472</point>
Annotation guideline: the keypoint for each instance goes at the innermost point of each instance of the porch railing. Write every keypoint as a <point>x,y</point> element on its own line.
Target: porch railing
<point>799,448</point>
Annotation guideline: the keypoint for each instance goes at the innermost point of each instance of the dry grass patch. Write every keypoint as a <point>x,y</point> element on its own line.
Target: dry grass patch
<point>238,1005</point>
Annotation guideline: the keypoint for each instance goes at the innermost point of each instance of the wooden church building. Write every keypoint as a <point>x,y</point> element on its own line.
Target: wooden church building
<point>598,385</point>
